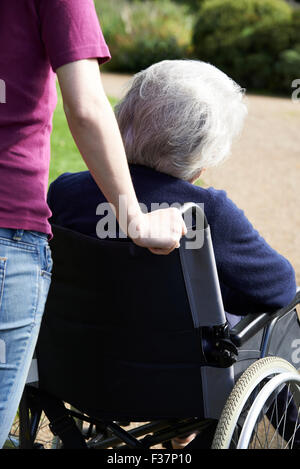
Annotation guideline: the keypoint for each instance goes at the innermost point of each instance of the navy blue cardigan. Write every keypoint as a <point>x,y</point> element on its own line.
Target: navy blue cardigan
<point>253,276</point>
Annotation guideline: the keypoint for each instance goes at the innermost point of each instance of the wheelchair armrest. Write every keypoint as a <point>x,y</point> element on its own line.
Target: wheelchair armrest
<point>252,323</point>
<point>248,327</point>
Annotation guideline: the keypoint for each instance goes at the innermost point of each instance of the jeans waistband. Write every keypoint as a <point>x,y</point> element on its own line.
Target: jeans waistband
<point>32,237</point>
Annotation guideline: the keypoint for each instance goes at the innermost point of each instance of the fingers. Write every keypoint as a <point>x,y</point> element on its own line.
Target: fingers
<point>184,228</point>
<point>164,252</point>
<point>160,231</point>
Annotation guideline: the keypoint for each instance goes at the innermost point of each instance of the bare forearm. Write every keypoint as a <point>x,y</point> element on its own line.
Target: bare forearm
<point>97,134</point>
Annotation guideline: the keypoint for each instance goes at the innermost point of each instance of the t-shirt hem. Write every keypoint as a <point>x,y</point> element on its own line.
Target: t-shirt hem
<point>101,53</point>
<point>26,225</point>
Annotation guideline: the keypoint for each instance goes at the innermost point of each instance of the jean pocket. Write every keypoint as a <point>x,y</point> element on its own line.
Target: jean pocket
<point>47,263</point>
<point>3,261</point>
<point>46,275</point>
<point>44,286</point>
<point>49,260</point>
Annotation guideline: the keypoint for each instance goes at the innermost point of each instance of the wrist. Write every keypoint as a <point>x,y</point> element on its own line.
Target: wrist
<point>129,214</point>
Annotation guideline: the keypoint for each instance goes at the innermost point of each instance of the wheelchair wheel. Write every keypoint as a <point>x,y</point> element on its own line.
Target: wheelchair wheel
<point>43,438</point>
<point>30,429</point>
<point>263,409</point>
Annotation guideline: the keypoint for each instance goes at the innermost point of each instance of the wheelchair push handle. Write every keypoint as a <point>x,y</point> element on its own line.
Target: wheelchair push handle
<point>196,212</point>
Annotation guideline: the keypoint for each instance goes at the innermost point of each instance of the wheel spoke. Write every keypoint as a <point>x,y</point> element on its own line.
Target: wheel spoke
<point>257,438</point>
<point>285,414</point>
<point>296,428</point>
<point>279,423</point>
<point>43,434</point>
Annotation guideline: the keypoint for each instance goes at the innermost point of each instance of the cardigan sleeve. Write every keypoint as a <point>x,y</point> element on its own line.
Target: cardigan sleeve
<point>253,276</point>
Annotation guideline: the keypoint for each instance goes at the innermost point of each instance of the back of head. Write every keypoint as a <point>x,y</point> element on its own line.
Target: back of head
<point>180,116</point>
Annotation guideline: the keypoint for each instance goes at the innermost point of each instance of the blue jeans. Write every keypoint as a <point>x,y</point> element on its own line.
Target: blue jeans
<point>25,276</point>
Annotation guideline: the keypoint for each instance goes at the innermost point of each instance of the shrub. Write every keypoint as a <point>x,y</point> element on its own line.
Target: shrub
<point>278,43</point>
<point>221,22</point>
<point>249,40</point>
<point>194,5</point>
<point>141,33</point>
<point>287,69</point>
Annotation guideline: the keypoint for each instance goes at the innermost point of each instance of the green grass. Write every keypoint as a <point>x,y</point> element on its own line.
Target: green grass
<point>65,156</point>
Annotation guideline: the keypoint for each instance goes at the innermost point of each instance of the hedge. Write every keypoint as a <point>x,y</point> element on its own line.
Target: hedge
<point>257,42</point>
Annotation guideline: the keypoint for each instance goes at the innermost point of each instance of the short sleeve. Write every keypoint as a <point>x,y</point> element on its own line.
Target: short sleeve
<point>71,31</point>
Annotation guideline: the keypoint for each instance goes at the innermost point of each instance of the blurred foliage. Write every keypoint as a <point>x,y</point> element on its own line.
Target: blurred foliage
<point>256,42</point>
<point>194,5</point>
<point>142,33</point>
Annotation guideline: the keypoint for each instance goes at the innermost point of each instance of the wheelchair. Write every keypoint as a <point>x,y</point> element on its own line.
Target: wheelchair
<point>135,349</point>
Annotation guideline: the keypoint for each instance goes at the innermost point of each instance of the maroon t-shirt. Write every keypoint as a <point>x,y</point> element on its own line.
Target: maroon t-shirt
<point>36,38</point>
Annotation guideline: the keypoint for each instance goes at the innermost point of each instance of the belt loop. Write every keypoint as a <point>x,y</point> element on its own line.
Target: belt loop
<point>18,235</point>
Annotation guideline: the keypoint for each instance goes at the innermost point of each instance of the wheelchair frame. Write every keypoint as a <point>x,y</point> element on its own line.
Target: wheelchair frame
<point>109,433</point>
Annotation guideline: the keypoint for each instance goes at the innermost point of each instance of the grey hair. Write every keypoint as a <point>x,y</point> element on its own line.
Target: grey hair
<point>180,116</point>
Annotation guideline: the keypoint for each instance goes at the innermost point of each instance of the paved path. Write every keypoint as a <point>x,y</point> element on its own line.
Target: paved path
<point>262,176</point>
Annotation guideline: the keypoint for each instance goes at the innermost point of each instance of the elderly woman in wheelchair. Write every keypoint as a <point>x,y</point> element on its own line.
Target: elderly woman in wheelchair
<point>205,338</point>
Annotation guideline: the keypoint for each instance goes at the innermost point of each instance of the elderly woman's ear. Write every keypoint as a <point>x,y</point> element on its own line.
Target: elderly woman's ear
<point>194,178</point>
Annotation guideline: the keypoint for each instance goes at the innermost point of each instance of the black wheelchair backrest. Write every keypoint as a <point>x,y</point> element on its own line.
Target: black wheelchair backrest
<point>130,334</point>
